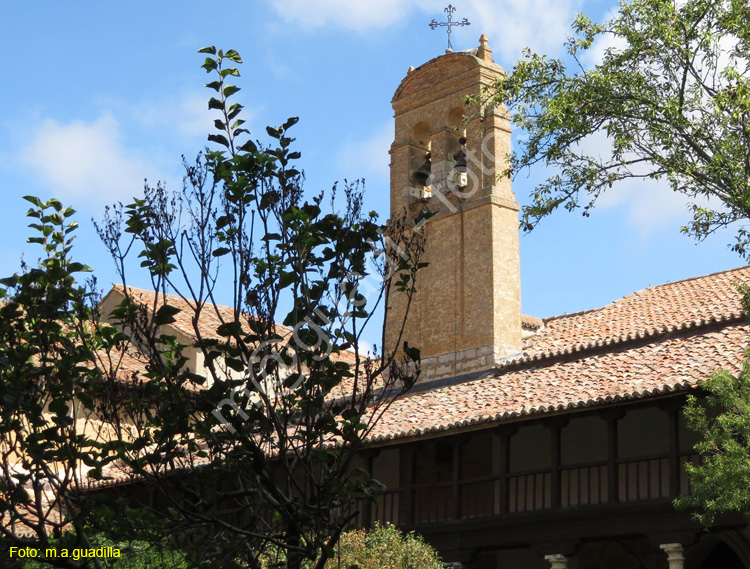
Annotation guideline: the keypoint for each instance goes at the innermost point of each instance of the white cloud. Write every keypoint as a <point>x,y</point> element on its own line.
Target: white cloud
<point>510,25</point>
<point>358,157</point>
<point>86,161</point>
<point>649,205</point>
<point>187,116</point>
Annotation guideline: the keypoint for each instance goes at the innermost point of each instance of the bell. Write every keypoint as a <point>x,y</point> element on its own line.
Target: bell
<point>461,160</point>
<point>460,157</point>
<point>425,171</point>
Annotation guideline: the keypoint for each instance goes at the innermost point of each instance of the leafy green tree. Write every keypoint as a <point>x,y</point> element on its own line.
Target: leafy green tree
<point>672,96</point>
<point>720,482</point>
<point>241,438</point>
<point>49,437</point>
<point>262,426</point>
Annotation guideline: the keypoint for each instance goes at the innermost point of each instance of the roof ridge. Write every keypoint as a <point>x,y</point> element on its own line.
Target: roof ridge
<point>622,339</point>
<point>569,314</point>
<point>694,278</point>
<point>188,300</point>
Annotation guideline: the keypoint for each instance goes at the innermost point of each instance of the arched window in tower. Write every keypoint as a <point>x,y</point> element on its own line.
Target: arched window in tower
<point>457,151</point>
<point>421,157</point>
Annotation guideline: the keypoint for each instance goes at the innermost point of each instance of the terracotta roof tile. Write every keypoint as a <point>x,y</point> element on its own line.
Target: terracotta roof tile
<point>649,312</point>
<point>211,316</point>
<point>658,340</point>
<point>629,372</point>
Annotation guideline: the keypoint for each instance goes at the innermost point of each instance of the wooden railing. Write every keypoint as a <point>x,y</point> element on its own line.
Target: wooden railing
<point>643,479</point>
<point>529,491</point>
<point>386,508</point>
<point>581,485</point>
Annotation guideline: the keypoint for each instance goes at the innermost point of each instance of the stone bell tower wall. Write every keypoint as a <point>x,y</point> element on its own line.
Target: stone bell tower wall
<point>467,312</point>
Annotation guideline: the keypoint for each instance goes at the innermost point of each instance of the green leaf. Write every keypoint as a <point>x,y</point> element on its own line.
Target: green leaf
<point>235,363</point>
<point>224,220</point>
<point>210,65</point>
<point>59,406</point>
<point>411,352</point>
<point>291,121</point>
<point>230,90</point>
<point>233,56</point>
<point>210,49</point>
<point>229,329</point>
<point>234,110</point>
<point>165,315</point>
<point>35,200</point>
<point>219,139</point>
<point>249,146</point>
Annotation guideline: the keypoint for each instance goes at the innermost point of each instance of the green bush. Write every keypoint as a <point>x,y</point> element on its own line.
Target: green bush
<point>383,547</point>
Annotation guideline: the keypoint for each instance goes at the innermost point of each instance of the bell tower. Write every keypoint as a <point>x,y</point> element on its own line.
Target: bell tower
<point>448,158</point>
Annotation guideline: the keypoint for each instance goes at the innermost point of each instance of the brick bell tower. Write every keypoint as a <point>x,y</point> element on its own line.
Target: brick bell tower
<point>448,158</point>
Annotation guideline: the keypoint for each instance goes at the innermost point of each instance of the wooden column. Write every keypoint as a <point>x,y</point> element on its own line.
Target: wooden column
<point>456,488</point>
<point>369,457</point>
<point>672,408</point>
<point>406,459</point>
<point>555,426</point>
<point>503,434</point>
<point>612,416</point>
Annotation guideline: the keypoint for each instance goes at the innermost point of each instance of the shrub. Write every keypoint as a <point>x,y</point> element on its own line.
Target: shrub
<point>383,547</point>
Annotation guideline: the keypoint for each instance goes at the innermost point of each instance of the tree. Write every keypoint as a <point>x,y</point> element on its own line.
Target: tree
<point>720,482</point>
<point>385,547</point>
<point>47,435</point>
<point>248,431</point>
<point>673,100</point>
<point>242,437</point>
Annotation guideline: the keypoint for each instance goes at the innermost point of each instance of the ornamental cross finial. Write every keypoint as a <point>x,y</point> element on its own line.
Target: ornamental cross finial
<point>450,23</point>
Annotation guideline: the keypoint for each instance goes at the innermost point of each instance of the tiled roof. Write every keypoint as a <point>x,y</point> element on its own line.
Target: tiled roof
<point>647,313</point>
<point>211,316</point>
<point>662,339</point>
<point>531,322</point>
<point>628,373</point>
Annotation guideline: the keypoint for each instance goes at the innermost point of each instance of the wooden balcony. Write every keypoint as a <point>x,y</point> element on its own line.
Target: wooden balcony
<point>500,495</point>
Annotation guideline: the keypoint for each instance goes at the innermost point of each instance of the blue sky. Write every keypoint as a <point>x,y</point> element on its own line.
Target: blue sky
<point>96,96</point>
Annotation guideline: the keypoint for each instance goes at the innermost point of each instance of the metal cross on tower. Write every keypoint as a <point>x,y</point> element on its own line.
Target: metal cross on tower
<point>450,23</point>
